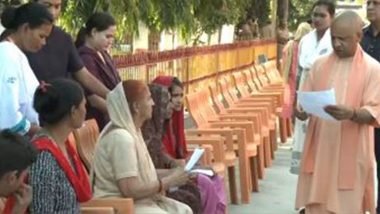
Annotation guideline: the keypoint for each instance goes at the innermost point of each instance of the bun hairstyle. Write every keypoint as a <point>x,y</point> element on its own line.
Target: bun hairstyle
<point>31,13</point>
<point>100,21</point>
<point>54,101</point>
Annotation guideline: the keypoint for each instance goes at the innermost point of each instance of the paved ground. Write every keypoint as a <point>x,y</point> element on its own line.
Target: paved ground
<point>277,189</point>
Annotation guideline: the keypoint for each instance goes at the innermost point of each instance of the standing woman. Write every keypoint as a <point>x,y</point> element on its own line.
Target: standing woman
<point>27,28</point>
<point>93,42</point>
<point>313,45</point>
<point>290,67</point>
<point>58,177</point>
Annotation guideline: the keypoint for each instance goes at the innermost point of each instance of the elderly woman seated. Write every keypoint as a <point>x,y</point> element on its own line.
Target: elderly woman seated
<point>122,166</point>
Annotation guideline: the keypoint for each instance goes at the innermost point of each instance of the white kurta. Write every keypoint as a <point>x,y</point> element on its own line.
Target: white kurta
<point>310,49</point>
<point>17,87</point>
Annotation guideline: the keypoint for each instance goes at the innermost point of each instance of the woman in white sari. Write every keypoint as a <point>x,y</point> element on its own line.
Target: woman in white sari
<point>313,45</point>
<point>122,166</point>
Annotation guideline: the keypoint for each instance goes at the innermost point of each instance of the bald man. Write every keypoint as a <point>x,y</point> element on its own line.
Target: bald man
<point>337,168</point>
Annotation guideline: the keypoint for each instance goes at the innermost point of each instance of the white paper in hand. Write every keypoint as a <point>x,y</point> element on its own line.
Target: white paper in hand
<point>197,154</point>
<point>313,102</point>
<point>207,172</point>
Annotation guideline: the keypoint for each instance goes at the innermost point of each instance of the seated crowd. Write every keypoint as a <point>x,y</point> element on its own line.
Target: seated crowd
<point>141,150</point>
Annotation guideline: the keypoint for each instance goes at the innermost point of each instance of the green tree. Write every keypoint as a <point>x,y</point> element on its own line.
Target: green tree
<point>299,12</point>
<point>76,12</point>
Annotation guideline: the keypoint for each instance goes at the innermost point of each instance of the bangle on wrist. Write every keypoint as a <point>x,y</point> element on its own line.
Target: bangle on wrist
<point>160,186</point>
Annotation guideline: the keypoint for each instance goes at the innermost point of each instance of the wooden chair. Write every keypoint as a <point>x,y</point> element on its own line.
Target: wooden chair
<point>214,155</point>
<point>250,105</point>
<point>260,126</point>
<point>276,81</point>
<point>119,205</point>
<point>247,147</point>
<point>264,85</point>
<point>209,114</point>
<point>255,86</point>
<point>273,74</point>
<point>86,138</point>
<point>242,88</point>
<point>97,210</point>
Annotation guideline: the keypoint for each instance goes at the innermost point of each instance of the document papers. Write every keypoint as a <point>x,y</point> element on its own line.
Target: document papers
<point>207,172</point>
<point>313,102</point>
<point>197,154</point>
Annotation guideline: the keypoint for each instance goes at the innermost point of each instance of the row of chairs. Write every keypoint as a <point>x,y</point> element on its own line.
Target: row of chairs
<point>243,108</point>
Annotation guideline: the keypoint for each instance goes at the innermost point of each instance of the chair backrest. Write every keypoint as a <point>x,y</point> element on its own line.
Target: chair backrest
<point>216,97</point>
<point>259,75</point>
<point>250,80</point>
<point>86,138</point>
<point>225,91</point>
<point>272,72</point>
<point>240,83</point>
<point>192,103</point>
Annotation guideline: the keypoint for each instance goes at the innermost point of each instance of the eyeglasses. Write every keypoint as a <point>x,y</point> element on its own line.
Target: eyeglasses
<point>374,3</point>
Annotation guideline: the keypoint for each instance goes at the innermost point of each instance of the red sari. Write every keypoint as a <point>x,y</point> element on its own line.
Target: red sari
<point>78,178</point>
<point>174,139</point>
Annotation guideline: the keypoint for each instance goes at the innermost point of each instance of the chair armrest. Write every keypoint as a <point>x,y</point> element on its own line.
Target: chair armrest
<point>97,210</point>
<point>228,134</point>
<point>216,143</point>
<point>247,125</point>
<point>121,205</point>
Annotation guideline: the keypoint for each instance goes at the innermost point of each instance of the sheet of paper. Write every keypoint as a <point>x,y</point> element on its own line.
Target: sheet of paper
<point>314,102</point>
<point>197,154</point>
<point>207,172</point>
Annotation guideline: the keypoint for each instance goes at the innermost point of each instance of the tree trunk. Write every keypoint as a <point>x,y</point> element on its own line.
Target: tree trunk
<point>282,27</point>
<point>283,12</point>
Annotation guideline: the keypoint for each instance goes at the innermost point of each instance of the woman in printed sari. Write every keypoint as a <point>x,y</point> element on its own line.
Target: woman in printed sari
<point>122,166</point>
<point>290,67</point>
<point>153,131</point>
<point>58,178</point>
<point>213,196</point>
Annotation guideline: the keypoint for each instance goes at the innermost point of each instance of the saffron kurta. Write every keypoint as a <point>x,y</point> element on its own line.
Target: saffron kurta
<point>336,170</point>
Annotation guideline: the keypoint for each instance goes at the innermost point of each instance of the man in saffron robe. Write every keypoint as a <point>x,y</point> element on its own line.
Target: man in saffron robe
<point>337,167</point>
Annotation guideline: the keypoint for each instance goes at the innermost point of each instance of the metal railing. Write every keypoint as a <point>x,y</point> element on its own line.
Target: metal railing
<point>194,66</point>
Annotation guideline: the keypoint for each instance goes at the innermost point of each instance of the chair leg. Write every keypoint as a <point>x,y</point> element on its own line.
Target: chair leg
<point>245,174</point>
<point>261,160</point>
<point>283,132</point>
<point>267,152</point>
<point>232,185</point>
<point>289,127</point>
<point>273,143</point>
<point>254,173</point>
